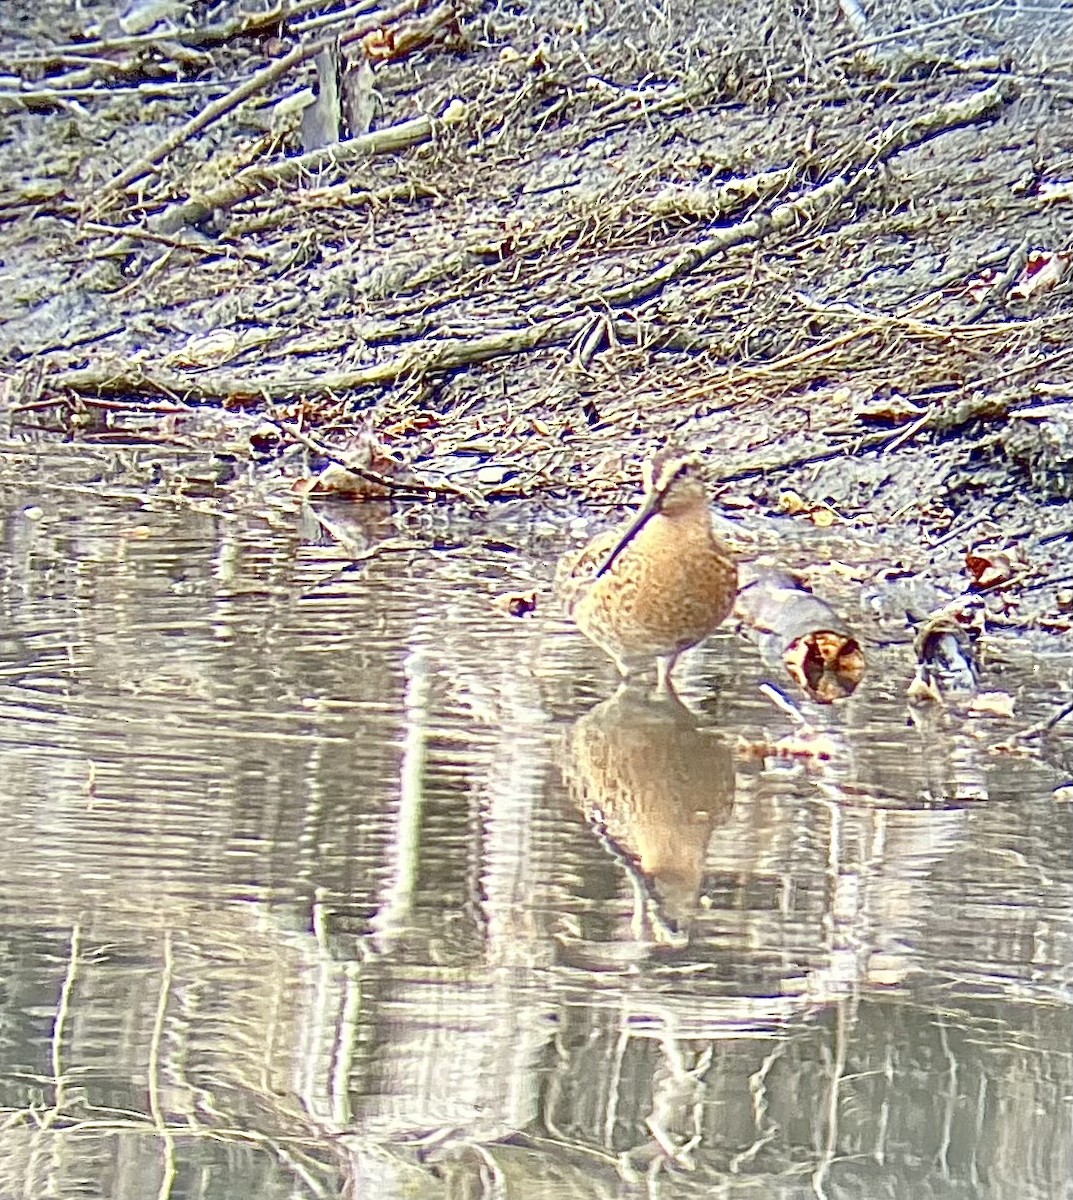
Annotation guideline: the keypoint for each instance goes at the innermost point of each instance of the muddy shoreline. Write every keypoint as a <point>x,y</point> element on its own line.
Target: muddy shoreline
<point>324,872</point>
<point>829,255</point>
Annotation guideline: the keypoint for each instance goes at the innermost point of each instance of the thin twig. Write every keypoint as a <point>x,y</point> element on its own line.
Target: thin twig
<point>1002,283</point>
<point>256,83</point>
<point>245,25</point>
<point>375,477</point>
<point>12,100</point>
<point>63,1011</point>
<point>1038,730</point>
<point>429,356</point>
<point>439,355</point>
<point>255,181</point>
<point>154,1068</point>
<point>915,30</point>
<point>794,213</point>
<point>212,249</point>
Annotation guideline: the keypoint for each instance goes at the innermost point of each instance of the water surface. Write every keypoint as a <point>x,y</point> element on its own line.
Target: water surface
<point>322,883</point>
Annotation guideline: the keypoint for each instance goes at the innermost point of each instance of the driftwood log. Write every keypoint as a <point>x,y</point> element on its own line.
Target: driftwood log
<point>799,631</point>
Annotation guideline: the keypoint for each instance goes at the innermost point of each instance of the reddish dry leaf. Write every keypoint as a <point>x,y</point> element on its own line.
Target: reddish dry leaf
<point>303,486</point>
<point>382,45</point>
<point>1042,271</point>
<point>379,45</point>
<point>793,503</point>
<point>990,568</point>
<point>517,604</point>
<point>980,288</point>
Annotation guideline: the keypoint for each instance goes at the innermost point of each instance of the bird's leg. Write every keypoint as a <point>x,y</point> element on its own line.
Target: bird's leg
<point>626,667</point>
<point>664,667</point>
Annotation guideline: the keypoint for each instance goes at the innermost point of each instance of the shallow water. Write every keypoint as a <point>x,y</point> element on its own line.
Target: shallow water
<point>320,884</point>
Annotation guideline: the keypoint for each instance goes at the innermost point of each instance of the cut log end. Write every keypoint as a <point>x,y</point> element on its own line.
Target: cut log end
<point>827,665</point>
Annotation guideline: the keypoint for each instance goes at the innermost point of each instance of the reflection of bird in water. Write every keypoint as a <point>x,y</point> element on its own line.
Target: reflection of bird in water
<point>655,786</point>
<point>659,584</point>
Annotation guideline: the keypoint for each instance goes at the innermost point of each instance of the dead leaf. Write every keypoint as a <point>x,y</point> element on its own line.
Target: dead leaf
<point>992,704</point>
<point>979,289</point>
<point>383,44</point>
<point>1061,189</point>
<point>1043,270</point>
<point>991,568</point>
<point>792,503</point>
<point>923,691</point>
<point>378,44</point>
<point>894,409</point>
<point>516,604</point>
<point>455,112</point>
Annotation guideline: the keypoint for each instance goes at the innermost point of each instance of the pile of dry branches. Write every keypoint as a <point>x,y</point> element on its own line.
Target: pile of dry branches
<point>529,243</point>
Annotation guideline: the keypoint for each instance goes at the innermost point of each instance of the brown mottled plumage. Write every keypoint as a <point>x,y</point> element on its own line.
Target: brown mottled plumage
<point>659,584</point>
<point>656,786</point>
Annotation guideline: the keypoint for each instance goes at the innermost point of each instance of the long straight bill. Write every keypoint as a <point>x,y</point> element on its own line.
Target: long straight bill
<point>647,510</point>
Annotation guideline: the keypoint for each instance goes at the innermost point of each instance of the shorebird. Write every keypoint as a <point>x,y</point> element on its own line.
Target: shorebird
<point>659,584</point>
